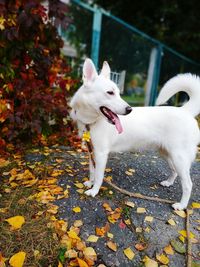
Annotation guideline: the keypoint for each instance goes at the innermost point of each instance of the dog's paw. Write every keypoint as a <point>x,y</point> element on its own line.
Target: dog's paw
<point>88,183</point>
<point>166,183</point>
<point>178,206</point>
<point>91,192</point>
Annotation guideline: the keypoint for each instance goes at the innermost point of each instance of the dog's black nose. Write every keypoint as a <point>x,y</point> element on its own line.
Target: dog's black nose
<point>128,109</point>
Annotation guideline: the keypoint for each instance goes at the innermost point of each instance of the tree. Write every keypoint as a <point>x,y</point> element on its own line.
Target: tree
<point>34,79</point>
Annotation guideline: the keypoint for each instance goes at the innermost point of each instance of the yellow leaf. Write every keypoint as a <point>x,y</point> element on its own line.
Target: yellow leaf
<point>3,162</point>
<point>171,222</point>
<point>80,191</point>
<point>92,238</point>
<point>73,235</point>
<point>184,234</point>
<point>169,250</point>
<point>112,245</point>
<point>60,264</point>
<point>129,253</point>
<point>76,209</point>
<point>138,229</point>
<point>82,263</point>
<point>180,213</point>
<point>162,258</point>
<point>79,185</point>
<point>78,223</point>
<point>182,238</point>
<point>110,235</point>
<point>148,219</point>
<point>130,204</point>
<point>195,205</point>
<point>90,255</point>
<point>71,253</point>
<point>16,222</point>
<point>86,136</point>
<point>17,260</point>
<point>141,210</point>
<point>129,173</point>
<point>149,262</point>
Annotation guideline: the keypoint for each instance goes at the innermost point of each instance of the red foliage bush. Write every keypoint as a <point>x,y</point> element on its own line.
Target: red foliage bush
<point>35,81</point>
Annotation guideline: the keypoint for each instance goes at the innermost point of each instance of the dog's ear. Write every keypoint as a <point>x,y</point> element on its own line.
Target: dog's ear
<point>89,72</point>
<point>105,71</point>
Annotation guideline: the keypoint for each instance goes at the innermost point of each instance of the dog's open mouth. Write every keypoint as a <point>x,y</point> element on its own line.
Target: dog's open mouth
<point>112,118</point>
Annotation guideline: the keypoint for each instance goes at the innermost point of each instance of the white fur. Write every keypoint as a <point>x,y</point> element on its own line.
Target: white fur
<point>170,129</point>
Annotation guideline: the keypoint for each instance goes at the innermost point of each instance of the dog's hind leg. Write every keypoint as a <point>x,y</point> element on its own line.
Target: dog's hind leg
<point>100,164</point>
<point>91,168</point>
<point>182,165</point>
<point>173,175</point>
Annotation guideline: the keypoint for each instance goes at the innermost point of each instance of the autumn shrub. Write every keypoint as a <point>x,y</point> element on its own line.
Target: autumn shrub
<point>35,81</point>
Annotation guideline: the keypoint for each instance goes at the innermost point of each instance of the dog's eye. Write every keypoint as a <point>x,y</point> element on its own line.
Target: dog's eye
<point>110,92</point>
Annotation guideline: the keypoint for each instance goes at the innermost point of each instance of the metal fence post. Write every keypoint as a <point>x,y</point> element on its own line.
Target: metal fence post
<point>155,75</point>
<point>96,35</point>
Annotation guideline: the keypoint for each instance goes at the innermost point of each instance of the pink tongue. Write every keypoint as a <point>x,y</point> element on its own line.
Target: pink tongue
<point>118,124</point>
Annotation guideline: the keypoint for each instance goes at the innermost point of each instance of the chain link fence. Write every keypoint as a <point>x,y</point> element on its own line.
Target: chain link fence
<point>141,64</point>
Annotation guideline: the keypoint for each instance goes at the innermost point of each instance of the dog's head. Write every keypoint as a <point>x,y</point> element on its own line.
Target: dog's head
<point>98,96</point>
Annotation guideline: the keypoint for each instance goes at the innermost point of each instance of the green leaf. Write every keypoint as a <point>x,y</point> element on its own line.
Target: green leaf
<point>61,255</point>
<point>178,246</point>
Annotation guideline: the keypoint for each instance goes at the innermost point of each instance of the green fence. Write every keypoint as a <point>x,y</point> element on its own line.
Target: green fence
<point>147,63</point>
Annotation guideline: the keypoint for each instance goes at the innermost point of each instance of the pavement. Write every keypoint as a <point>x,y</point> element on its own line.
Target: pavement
<point>145,172</point>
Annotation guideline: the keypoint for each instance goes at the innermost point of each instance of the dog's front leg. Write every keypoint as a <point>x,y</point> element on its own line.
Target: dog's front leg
<point>91,168</point>
<point>100,164</point>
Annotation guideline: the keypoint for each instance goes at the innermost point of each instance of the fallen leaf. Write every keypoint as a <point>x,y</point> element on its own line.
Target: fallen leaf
<point>79,185</point>
<point>122,225</point>
<point>110,235</point>
<point>149,262</point>
<point>171,222</point>
<point>82,263</point>
<point>92,238</point>
<point>107,207</point>
<point>184,234</point>
<point>130,204</point>
<point>169,250</point>
<point>148,219</point>
<point>138,229</point>
<point>16,222</point>
<point>71,253</point>
<point>17,260</point>
<point>78,223</point>
<point>60,264</point>
<point>180,213</point>
<point>182,238</point>
<point>129,173</point>
<point>4,163</point>
<point>178,246</point>
<point>129,253</point>
<point>195,205</point>
<point>140,246</point>
<point>141,210</point>
<point>90,255</point>
<point>112,245</point>
<point>73,234</point>
<point>76,209</point>
<point>162,258</point>
<point>101,231</point>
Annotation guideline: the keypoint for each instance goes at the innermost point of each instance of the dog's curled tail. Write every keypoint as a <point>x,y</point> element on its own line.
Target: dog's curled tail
<point>188,83</point>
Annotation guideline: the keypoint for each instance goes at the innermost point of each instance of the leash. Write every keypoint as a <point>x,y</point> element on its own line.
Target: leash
<point>86,137</point>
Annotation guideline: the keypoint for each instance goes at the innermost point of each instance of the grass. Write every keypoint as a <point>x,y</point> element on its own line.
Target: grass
<point>35,238</point>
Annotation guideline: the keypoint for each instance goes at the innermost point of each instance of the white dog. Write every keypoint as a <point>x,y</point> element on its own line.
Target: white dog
<point>171,130</point>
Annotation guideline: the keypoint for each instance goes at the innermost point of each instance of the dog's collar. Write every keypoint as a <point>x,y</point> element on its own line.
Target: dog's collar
<point>87,139</point>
